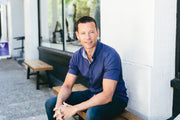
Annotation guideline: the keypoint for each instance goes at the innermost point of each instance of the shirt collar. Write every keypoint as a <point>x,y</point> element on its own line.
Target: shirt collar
<point>96,52</point>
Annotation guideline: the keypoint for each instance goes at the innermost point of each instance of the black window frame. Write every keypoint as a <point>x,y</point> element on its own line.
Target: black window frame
<point>177,59</point>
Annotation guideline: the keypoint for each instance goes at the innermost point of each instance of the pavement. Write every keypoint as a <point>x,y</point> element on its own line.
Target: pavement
<point>19,99</point>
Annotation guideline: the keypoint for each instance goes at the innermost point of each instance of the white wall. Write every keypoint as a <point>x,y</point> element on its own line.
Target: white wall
<point>4,23</point>
<point>143,32</point>
<point>23,21</point>
<point>15,24</point>
<point>128,26</point>
<point>164,59</point>
<point>31,29</point>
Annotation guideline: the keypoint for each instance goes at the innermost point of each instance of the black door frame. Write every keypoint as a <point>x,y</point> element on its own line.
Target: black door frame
<point>177,67</point>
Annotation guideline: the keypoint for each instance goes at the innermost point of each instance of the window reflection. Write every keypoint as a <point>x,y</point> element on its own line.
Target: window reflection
<point>75,9</point>
<point>51,21</point>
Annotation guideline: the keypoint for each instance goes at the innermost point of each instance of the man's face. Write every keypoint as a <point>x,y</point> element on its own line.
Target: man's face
<point>87,34</point>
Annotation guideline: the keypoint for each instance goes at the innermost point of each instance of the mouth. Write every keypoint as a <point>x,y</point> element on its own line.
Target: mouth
<point>89,42</point>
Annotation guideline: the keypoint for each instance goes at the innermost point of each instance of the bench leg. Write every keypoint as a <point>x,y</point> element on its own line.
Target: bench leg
<point>28,72</point>
<point>48,79</point>
<point>37,81</point>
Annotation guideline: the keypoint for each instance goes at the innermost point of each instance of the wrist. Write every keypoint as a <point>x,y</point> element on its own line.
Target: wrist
<point>57,107</point>
<point>77,108</point>
<point>58,104</point>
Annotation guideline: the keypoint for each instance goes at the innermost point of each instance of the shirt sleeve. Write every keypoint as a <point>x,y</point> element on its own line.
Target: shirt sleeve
<point>73,69</point>
<point>112,66</point>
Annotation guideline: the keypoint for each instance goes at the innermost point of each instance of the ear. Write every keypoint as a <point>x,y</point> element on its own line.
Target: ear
<point>77,35</point>
<point>98,32</point>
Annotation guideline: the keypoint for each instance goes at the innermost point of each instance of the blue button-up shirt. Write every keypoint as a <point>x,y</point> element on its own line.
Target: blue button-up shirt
<point>106,64</point>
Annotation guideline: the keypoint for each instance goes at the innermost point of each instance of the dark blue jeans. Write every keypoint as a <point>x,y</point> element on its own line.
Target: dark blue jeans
<point>101,112</point>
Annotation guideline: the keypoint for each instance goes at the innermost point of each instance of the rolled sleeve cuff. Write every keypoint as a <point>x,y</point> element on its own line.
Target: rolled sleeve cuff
<point>72,72</point>
<point>112,74</point>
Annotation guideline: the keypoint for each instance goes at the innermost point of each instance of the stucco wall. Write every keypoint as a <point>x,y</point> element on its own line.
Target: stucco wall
<point>143,32</point>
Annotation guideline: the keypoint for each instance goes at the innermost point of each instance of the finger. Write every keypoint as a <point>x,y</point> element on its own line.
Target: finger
<point>62,113</point>
<point>55,109</point>
<point>66,104</point>
<point>66,116</point>
<point>60,117</point>
<point>56,114</point>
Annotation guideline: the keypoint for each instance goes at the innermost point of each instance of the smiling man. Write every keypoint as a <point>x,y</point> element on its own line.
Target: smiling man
<point>100,65</point>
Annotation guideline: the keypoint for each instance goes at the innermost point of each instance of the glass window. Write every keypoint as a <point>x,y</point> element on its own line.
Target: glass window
<point>52,21</point>
<point>51,31</point>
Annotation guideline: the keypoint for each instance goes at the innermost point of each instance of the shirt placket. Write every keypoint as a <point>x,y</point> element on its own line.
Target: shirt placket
<point>90,70</point>
<point>91,77</point>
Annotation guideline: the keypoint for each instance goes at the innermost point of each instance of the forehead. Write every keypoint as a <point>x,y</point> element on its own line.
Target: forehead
<point>87,25</point>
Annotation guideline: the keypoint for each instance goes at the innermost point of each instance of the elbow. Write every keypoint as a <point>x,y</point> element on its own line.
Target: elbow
<point>108,99</point>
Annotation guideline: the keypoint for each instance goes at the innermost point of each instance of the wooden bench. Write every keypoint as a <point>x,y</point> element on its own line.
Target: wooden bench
<point>37,66</point>
<point>79,87</point>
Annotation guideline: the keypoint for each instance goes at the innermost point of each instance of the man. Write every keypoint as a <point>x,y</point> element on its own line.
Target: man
<point>100,65</point>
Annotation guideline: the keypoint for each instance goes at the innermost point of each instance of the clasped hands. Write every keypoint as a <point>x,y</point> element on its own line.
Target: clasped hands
<point>64,111</point>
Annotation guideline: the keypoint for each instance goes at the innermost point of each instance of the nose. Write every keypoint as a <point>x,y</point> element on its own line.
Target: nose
<point>88,36</point>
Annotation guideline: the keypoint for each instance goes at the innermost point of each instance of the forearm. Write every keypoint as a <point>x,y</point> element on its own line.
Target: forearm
<point>63,95</point>
<point>66,89</point>
<point>99,99</point>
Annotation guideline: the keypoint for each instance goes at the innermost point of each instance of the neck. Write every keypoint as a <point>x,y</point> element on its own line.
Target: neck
<point>89,53</point>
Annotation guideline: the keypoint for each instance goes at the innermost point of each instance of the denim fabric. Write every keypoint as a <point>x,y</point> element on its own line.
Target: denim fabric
<point>102,112</point>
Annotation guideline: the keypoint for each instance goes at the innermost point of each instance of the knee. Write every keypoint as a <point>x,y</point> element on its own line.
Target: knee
<point>92,114</point>
<point>50,103</point>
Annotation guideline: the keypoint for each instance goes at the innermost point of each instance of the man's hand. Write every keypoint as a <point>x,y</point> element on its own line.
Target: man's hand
<point>58,114</point>
<point>63,95</point>
<point>64,111</point>
<point>67,110</point>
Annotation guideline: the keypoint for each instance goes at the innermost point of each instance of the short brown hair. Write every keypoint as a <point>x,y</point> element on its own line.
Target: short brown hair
<point>85,19</point>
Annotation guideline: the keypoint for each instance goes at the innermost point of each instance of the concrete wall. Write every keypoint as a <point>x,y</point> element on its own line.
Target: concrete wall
<point>143,32</point>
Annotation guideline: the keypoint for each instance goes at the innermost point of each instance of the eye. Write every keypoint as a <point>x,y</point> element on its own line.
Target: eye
<point>83,33</point>
<point>92,32</point>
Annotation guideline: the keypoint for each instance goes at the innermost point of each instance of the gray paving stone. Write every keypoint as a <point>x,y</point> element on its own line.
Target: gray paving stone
<point>19,99</point>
